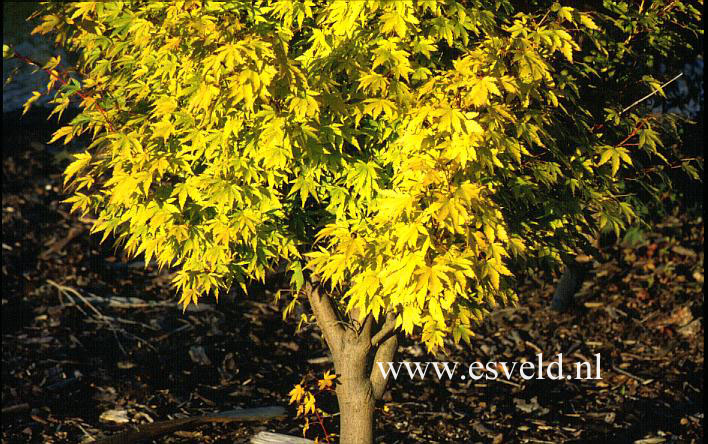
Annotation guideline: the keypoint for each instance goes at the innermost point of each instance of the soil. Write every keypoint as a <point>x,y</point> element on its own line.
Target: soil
<point>93,342</point>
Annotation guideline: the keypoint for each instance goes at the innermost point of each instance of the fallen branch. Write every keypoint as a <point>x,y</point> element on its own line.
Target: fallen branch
<point>59,245</point>
<point>151,431</point>
<point>17,408</point>
<point>127,302</point>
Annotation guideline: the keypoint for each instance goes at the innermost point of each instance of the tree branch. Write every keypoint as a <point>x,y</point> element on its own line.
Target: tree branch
<point>326,317</point>
<point>385,353</point>
<point>386,330</point>
<point>368,325</point>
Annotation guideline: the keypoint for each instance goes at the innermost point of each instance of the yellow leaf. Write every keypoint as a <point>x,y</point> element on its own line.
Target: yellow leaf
<point>493,277</point>
<point>586,21</point>
<point>296,394</point>
<point>35,96</point>
<point>82,160</point>
<point>615,162</point>
<point>567,51</point>
<point>309,403</point>
<point>479,94</point>
<point>327,381</point>
<point>63,131</point>
<point>605,157</point>
<point>435,310</point>
<point>162,129</point>
<point>165,105</point>
<point>392,21</point>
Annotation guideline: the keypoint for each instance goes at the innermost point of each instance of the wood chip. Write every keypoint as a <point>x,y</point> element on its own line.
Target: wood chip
<point>277,438</point>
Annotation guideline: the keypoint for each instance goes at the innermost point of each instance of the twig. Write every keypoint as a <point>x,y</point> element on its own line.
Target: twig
<point>170,333</point>
<point>319,418</point>
<point>88,436</point>
<point>626,373</point>
<point>62,293</point>
<point>127,302</point>
<point>68,290</point>
<point>128,321</point>
<point>513,384</point>
<point>544,17</point>
<point>57,246</point>
<point>53,73</point>
<point>533,346</point>
<point>651,94</point>
<point>17,408</point>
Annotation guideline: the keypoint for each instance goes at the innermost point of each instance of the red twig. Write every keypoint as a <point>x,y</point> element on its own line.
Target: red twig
<point>632,134</point>
<point>53,73</point>
<point>319,419</point>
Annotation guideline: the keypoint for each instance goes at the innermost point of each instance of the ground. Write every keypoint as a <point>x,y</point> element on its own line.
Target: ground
<point>86,332</point>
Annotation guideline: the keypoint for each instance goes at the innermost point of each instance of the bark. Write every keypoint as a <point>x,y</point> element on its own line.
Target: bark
<point>356,401</point>
<point>387,344</point>
<point>355,351</point>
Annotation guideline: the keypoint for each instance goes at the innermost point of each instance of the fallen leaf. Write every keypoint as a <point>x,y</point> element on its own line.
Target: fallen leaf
<point>691,329</point>
<point>115,416</point>
<point>678,249</point>
<point>698,277</point>
<point>679,317</point>
<point>199,356</point>
<point>530,406</point>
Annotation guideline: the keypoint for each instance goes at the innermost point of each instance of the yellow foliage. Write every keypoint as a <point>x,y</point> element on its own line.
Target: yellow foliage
<point>404,148</point>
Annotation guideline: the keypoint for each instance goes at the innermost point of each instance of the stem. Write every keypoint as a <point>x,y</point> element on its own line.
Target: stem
<point>319,419</point>
<point>385,353</point>
<point>327,319</point>
<point>632,134</point>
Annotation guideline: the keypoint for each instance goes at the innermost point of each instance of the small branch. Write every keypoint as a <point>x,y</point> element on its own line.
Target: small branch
<point>543,18</point>
<point>629,375</point>
<point>632,134</point>
<point>324,429</point>
<point>651,94</point>
<point>17,408</point>
<point>52,73</point>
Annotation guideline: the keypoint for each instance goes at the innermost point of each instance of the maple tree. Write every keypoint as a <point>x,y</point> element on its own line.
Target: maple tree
<point>402,159</point>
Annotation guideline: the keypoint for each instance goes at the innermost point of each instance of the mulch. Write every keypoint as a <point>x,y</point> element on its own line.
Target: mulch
<point>94,343</point>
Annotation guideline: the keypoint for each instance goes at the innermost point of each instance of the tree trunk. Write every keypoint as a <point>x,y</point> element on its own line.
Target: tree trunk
<point>356,412</point>
<point>355,350</point>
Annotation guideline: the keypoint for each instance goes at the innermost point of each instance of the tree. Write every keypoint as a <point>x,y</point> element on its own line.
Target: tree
<point>402,160</point>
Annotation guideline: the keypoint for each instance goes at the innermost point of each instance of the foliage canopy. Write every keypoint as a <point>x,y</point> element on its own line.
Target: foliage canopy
<point>410,153</point>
